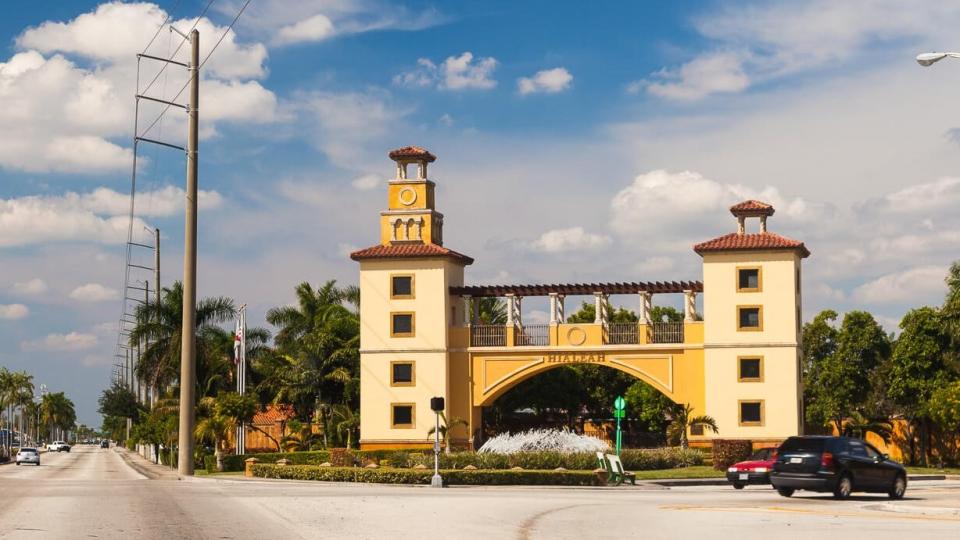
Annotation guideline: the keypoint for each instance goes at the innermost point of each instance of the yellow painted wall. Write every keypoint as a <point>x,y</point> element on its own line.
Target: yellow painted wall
<point>777,343</point>
<point>778,297</point>
<point>435,312</point>
<point>386,225</point>
<point>424,190</point>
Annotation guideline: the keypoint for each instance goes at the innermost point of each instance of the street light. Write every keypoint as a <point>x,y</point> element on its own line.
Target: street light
<point>928,59</point>
<point>437,405</point>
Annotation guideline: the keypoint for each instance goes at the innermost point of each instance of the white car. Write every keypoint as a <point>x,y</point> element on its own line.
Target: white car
<point>28,455</point>
<point>58,446</point>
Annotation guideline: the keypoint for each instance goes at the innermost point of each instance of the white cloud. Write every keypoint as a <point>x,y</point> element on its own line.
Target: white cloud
<point>284,22</point>
<point>548,81</point>
<point>74,341</point>
<point>763,41</point>
<point>350,126</point>
<point>315,28</point>
<point>455,73</point>
<point>926,197</point>
<point>702,76</point>
<point>654,265</point>
<point>65,88</point>
<point>571,239</point>
<point>30,287</point>
<point>94,292</point>
<point>98,216</point>
<point>367,182</point>
<point>13,311</point>
<point>916,285</point>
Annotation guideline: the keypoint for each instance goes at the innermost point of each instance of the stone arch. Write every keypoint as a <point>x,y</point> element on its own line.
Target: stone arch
<point>495,375</point>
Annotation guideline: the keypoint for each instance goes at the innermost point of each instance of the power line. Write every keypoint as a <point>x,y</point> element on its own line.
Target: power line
<point>197,71</point>
<point>164,23</point>
<point>175,51</point>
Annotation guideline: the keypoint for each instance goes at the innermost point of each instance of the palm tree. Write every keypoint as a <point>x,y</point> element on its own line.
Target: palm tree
<point>316,363</point>
<point>345,420</point>
<point>57,412</point>
<point>445,429</point>
<point>682,419</point>
<point>213,427</point>
<point>301,437</point>
<point>160,327</point>
<point>858,425</point>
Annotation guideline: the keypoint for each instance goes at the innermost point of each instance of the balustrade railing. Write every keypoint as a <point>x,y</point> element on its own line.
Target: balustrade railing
<point>533,335</point>
<point>669,332</point>
<point>488,335</point>
<point>623,334</point>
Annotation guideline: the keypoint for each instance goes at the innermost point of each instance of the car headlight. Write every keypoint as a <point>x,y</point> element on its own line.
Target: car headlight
<point>732,469</point>
<point>760,469</point>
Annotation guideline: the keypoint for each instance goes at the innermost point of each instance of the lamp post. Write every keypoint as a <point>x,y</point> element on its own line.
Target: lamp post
<point>437,405</point>
<point>928,59</point>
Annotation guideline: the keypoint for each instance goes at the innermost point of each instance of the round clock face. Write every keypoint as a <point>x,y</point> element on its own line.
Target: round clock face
<point>407,196</point>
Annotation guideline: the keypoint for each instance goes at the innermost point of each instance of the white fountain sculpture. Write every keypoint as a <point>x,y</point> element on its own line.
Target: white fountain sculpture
<point>553,440</point>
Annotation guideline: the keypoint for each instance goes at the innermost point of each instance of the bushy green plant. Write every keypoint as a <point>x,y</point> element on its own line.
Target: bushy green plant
<point>409,476</point>
<point>726,452</point>
<point>634,460</point>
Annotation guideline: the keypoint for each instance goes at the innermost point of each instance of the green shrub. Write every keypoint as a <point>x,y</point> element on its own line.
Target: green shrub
<point>726,452</point>
<point>342,457</point>
<point>409,476</point>
<point>633,460</point>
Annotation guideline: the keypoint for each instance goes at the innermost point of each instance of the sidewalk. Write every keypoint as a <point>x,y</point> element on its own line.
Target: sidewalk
<point>146,467</point>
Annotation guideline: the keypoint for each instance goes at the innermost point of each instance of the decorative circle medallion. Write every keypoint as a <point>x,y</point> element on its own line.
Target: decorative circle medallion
<point>407,196</point>
<point>576,336</point>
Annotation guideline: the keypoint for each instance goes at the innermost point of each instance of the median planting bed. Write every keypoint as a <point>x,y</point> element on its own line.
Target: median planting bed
<point>422,476</point>
<point>634,459</point>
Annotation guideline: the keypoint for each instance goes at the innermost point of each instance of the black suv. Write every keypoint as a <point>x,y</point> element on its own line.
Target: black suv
<point>840,465</point>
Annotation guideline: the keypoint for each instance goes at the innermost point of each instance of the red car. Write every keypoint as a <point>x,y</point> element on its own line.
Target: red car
<point>755,470</point>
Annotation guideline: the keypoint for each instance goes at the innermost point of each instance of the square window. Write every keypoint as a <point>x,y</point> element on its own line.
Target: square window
<point>401,374</point>
<point>696,429</point>
<point>750,369</point>
<point>401,287</point>
<point>401,415</point>
<point>401,325</point>
<point>748,279</point>
<point>749,318</point>
<point>751,413</point>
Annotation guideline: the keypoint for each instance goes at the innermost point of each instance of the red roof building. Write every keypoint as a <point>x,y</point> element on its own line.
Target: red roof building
<point>409,251</point>
<point>759,241</point>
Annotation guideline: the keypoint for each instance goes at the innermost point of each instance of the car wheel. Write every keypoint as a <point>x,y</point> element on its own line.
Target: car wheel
<point>898,488</point>
<point>844,487</point>
<point>738,486</point>
<point>785,492</point>
<point>18,464</point>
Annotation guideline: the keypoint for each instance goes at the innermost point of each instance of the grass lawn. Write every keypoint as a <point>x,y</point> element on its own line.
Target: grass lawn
<point>933,470</point>
<point>702,471</point>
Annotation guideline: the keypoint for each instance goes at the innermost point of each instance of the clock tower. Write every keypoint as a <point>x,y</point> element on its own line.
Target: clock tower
<point>410,216</point>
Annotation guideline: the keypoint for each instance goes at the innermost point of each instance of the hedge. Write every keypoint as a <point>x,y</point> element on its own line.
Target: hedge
<point>414,476</point>
<point>633,460</point>
<point>726,452</point>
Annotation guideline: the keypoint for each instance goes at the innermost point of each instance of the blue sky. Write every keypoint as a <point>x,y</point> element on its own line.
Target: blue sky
<point>576,141</point>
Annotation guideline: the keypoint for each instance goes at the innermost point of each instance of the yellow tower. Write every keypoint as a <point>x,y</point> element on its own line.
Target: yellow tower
<point>406,310</point>
<point>752,300</point>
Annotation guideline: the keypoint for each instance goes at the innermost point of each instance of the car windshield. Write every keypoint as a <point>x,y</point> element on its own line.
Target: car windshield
<point>802,444</point>
<point>28,450</point>
<point>761,455</point>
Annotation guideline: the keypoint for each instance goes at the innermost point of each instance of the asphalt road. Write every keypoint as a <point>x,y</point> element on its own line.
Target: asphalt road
<point>93,493</point>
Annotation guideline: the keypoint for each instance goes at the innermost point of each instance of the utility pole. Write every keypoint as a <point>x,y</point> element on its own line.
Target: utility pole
<point>156,285</point>
<point>188,350</point>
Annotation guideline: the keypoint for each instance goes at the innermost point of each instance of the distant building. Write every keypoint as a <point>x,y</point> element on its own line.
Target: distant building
<point>421,335</point>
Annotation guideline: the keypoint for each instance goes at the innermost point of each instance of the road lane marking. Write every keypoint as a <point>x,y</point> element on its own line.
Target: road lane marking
<point>808,511</point>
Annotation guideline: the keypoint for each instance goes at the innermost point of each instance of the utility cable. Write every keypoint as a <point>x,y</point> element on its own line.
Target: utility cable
<point>171,57</point>
<point>197,71</point>
<point>164,23</point>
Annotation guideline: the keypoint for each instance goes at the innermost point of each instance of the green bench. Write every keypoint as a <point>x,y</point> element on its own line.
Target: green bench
<point>616,475</point>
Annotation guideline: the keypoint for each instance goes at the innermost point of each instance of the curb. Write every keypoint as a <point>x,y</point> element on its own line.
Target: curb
<point>151,472</point>
<point>680,482</point>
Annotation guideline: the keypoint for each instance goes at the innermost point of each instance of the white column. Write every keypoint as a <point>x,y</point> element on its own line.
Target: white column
<point>518,315</point>
<point>646,304</point>
<point>600,306</point>
<point>689,306</point>
<point>511,309</point>
<point>763,223</point>
<point>741,226</point>
<point>554,312</point>
<point>560,301</point>
<point>467,310</point>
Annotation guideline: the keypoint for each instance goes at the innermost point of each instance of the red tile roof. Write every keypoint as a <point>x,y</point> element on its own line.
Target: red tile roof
<point>752,208</point>
<point>409,251</point>
<point>412,152</point>
<point>751,242</point>
<point>274,413</point>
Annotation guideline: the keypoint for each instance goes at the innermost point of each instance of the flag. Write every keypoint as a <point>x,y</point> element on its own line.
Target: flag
<point>237,341</point>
